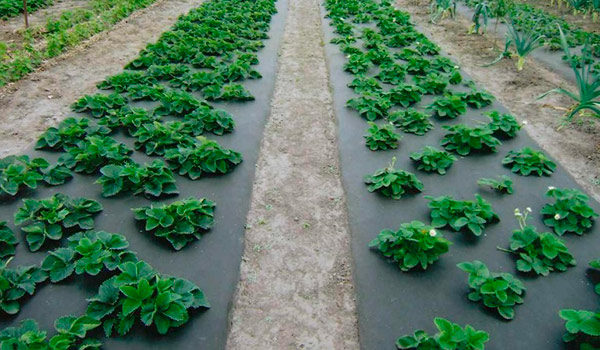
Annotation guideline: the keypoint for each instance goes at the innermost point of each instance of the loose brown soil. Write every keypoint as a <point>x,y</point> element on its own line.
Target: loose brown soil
<point>576,146</point>
<point>296,289</point>
<point>567,14</point>
<point>31,105</point>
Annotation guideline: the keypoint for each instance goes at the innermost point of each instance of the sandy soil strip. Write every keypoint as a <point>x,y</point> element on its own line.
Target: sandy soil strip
<point>576,146</point>
<point>42,99</point>
<point>296,288</point>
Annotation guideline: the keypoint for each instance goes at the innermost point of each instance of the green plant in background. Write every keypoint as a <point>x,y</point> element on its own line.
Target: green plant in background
<point>206,157</point>
<point>26,336</point>
<point>448,107</point>
<point>595,264</point>
<point>381,137</point>
<point>93,153</point>
<point>157,138</point>
<point>588,84</point>
<point>89,252</point>
<point>525,41</point>
<point>152,180</point>
<point>540,253</point>
<point>51,218</point>
<point>498,291</point>
<point>502,185</point>
<point>503,126</point>
<point>440,9</point>
<point>358,63</point>
<point>16,283</point>
<point>570,212</point>
<point>450,336</point>
<point>72,333</point>
<point>180,222</point>
<point>393,183</point>
<point>411,121</point>
<point>371,107</point>
<point>471,216</point>
<point>481,15</point>
<point>431,159</point>
<point>138,293</point>
<point>529,162</point>
<point>583,327</point>
<point>17,172</point>
<point>405,94</point>
<point>177,103</point>
<point>415,244</point>
<point>465,140</point>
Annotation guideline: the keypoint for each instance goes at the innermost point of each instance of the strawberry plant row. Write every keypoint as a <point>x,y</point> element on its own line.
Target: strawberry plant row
<point>440,218</point>
<point>152,132</point>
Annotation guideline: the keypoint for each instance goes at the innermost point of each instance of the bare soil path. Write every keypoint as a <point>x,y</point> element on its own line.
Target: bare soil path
<point>295,289</point>
<point>576,146</point>
<point>42,99</point>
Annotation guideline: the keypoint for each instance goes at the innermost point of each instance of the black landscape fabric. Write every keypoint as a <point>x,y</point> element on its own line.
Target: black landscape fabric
<point>212,263</point>
<point>392,303</point>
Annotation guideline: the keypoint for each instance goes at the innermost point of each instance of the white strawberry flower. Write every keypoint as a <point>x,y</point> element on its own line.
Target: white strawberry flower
<point>557,217</point>
<point>432,233</point>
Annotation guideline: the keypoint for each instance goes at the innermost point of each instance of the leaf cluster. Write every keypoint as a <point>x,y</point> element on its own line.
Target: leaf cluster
<point>471,216</point>
<point>431,159</point>
<point>570,212</point>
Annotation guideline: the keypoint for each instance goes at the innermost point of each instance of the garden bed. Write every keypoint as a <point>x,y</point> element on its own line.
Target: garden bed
<point>212,262</point>
<point>392,303</point>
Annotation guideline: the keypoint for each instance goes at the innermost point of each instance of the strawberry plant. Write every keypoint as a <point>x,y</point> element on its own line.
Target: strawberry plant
<point>378,54</point>
<point>51,218</point>
<point>15,284</point>
<point>412,121</point>
<point>167,71</point>
<point>470,216</point>
<point>465,140</point>
<point>26,336</point>
<point>177,103</point>
<point>405,95</point>
<point>138,293</point>
<point>502,185</point>
<point>123,81</point>
<point>180,222</point>
<point>529,162</point>
<point>135,118</point>
<point>448,107</point>
<point>540,253</point>
<point>17,172</point>
<point>206,157</point>
<point>569,213</point>
<point>381,137</point>
<point>478,99</point>
<point>146,92</point>
<point>357,63</point>
<point>93,153</point>
<point>362,84</point>
<point>99,105</point>
<point>426,47</point>
<point>392,73</point>
<point>432,83</point>
<point>237,70</point>
<point>583,328</point>
<point>8,241</point>
<point>415,244</point>
<point>72,333</point>
<point>195,81</point>
<point>498,291</point>
<point>450,336</point>
<point>431,159</point>
<point>68,133</point>
<point>393,183</point>
<point>370,107</point>
<point>234,92</point>
<point>90,253</point>
<point>503,126</point>
<point>152,180</point>
<point>205,119</point>
<point>417,65</point>
<point>157,138</point>
<point>595,264</point>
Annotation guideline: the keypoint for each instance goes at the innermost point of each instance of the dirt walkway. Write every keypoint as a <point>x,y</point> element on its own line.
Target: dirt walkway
<point>576,147</point>
<point>42,99</point>
<point>296,289</point>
